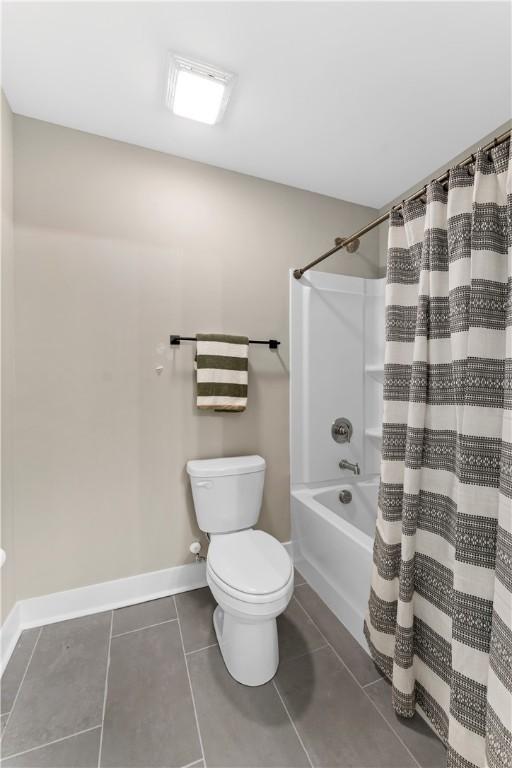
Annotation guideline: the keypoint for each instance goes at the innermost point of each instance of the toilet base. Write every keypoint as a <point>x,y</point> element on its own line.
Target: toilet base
<point>249,648</point>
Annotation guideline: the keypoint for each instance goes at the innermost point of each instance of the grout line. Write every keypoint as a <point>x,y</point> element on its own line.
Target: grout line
<point>305,653</point>
<point>190,682</point>
<point>329,644</point>
<point>359,685</point>
<point>367,685</point>
<point>23,679</point>
<point>189,765</point>
<point>391,728</point>
<point>106,687</point>
<point>49,743</point>
<point>148,626</point>
<point>189,653</point>
<point>292,723</point>
<point>404,745</point>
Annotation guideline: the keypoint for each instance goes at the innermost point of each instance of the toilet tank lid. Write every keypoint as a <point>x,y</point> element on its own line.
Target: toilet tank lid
<point>234,465</point>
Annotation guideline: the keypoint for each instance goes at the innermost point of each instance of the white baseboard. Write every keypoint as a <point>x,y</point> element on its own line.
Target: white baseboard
<point>72,603</point>
<point>9,634</point>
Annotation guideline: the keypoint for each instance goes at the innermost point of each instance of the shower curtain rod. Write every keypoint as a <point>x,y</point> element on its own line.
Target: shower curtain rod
<point>353,240</point>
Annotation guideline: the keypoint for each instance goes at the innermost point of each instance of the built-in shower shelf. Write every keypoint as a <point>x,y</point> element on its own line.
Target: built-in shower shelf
<point>376,371</point>
<point>374,432</point>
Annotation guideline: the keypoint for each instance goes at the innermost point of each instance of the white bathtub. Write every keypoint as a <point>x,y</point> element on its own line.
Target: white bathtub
<point>333,544</point>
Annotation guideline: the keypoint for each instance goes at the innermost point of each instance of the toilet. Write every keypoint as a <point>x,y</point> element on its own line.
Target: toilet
<point>249,572</point>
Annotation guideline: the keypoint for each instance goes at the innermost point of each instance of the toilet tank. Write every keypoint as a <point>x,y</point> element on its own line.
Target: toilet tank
<point>227,492</point>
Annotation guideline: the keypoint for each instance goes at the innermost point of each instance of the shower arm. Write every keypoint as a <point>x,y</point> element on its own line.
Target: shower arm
<point>352,243</point>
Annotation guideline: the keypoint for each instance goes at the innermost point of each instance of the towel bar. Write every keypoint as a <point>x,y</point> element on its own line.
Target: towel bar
<point>176,341</point>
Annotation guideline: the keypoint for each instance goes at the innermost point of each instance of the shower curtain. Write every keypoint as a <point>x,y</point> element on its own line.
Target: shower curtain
<point>439,621</point>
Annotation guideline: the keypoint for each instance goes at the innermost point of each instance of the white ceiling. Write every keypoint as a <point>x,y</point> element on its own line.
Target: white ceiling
<point>358,100</point>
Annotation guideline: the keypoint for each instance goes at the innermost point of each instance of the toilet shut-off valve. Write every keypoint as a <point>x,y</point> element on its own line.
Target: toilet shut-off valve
<point>195,549</point>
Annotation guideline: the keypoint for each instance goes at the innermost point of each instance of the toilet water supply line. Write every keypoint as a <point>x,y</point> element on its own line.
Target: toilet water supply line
<point>195,549</point>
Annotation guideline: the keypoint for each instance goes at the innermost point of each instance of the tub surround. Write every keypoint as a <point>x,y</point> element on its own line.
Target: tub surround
<point>337,365</point>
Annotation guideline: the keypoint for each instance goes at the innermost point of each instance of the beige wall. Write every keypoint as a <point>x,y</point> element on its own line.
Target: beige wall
<point>116,248</point>
<point>8,591</point>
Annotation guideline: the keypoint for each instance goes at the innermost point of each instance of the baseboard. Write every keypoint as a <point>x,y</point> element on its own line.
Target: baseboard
<point>106,596</point>
<point>72,603</point>
<point>9,634</point>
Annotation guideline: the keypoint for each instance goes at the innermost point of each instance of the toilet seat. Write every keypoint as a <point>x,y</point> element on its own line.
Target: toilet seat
<point>249,565</point>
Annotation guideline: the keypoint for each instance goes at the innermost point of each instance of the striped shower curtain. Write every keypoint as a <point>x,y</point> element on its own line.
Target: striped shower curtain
<point>439,622</point>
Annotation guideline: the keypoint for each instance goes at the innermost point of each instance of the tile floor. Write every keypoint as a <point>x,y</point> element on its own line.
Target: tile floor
<point>145,687</point>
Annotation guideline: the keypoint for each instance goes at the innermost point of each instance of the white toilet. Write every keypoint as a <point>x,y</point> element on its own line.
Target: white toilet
<point>249,572</point>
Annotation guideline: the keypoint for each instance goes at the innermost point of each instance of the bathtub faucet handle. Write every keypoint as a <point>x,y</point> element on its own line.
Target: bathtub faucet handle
<point>341,430</point>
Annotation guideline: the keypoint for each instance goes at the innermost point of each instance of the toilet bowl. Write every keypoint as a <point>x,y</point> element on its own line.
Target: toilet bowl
<point>249,572</point>
<point>251,578</point>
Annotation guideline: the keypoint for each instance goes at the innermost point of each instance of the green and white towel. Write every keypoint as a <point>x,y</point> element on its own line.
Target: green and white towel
<point>221,362</point>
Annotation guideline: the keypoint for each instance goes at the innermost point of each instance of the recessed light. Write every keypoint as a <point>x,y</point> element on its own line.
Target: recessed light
<point>198,91</point>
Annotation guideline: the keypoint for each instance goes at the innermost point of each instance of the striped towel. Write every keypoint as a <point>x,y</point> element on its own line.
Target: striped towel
<point>221,362</point>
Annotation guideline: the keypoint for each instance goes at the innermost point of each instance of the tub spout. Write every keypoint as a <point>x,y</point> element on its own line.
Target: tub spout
<point>344,464</point>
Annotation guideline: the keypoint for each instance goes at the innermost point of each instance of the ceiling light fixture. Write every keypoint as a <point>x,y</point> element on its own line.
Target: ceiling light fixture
<point>198,91</point>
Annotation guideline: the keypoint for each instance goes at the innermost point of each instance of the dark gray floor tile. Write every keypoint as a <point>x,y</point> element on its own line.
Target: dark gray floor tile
<point>3,722</point>
<point>16,667</point>
<point>149,715</point>
<point>297,634</point>
<point>80,751</point>
<point>240,726</point>
<point>63,690</point>
<point>337,723</point>
<point>195,611</point>
<point>357,660</point>
<point>143,615</point>
<point>428,750</point>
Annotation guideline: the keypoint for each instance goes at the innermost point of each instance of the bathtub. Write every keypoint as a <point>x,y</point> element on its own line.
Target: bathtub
<point>333,544</point>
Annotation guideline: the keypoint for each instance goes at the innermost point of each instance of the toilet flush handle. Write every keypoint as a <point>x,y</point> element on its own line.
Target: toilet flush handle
<point>204,484</point>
